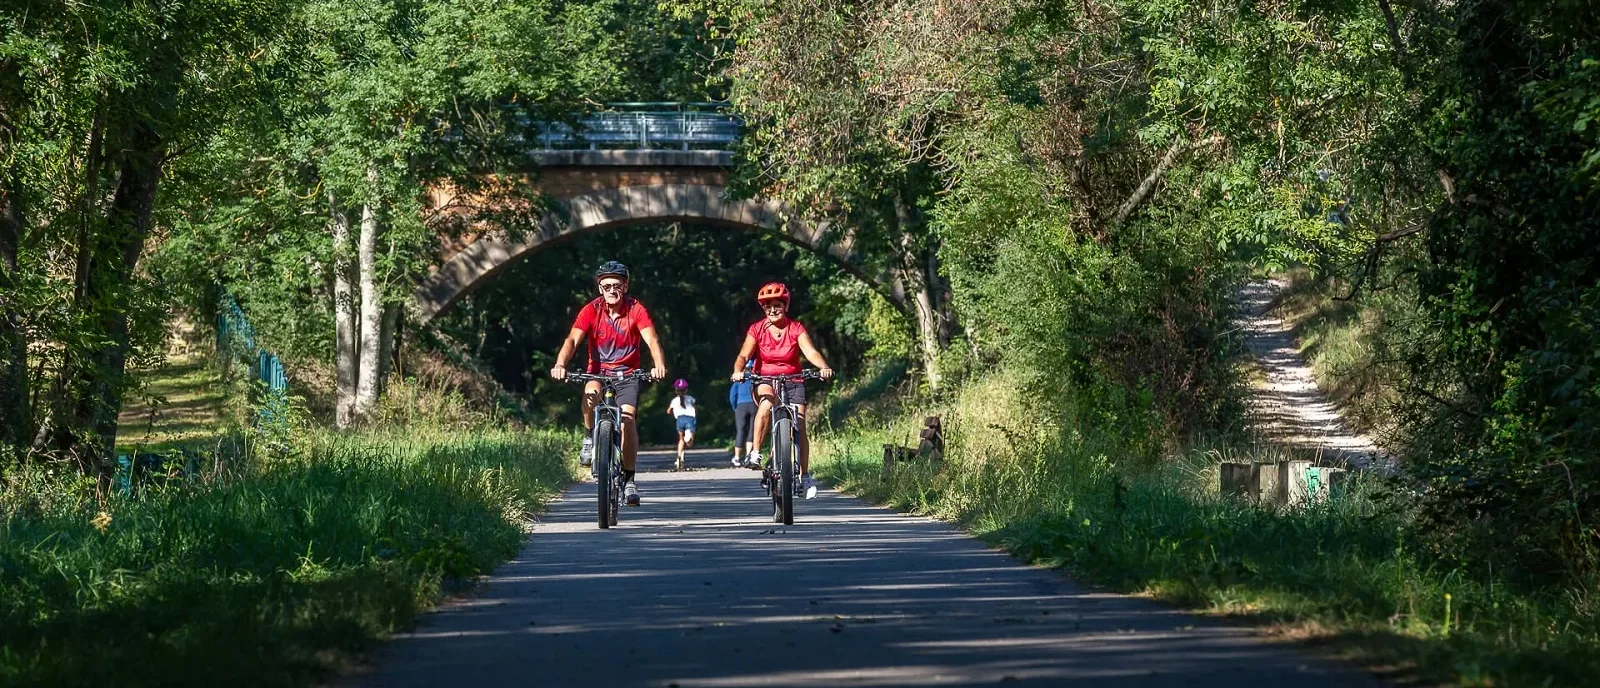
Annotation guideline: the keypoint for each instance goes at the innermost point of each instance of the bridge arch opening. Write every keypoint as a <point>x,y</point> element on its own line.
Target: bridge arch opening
<point>615,208</point>
<point>698,280</point>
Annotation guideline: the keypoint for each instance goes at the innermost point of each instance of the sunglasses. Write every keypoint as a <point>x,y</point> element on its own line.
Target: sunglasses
<point>612,286</point>
<point>775,306</point>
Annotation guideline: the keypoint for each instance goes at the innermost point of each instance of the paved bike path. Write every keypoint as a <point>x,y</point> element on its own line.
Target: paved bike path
<point>698,588</point>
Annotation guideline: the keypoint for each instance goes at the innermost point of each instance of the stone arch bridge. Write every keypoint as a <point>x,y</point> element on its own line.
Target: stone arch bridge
<point>675,169</point>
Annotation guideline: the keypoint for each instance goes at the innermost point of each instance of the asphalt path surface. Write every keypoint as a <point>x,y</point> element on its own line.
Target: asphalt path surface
<point>697,587</point>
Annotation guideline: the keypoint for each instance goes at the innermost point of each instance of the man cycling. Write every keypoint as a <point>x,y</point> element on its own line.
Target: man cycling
<point>776,342</point>
<point>615,324</point>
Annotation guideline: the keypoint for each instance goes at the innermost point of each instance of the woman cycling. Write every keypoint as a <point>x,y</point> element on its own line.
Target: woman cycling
<point>776,343</point>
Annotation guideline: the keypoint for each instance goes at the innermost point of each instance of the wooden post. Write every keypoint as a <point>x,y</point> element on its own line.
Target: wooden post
<point>888,457</point>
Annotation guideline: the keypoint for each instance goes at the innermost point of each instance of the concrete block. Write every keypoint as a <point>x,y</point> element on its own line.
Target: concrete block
<point>695,199</point>
<point>1292,488</point>
<point>1235,479</point>
<point>1262,483</point>
<point>1339,483</point>
<point>1325,483</point>
<point>589,210</point>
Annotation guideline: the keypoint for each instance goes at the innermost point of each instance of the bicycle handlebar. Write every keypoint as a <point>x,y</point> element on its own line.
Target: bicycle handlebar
<point>792,377</point>
<point>640,375</point>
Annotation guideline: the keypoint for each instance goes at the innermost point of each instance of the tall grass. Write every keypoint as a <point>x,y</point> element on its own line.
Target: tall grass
<point>268,575</point>
<point>1356,570</point>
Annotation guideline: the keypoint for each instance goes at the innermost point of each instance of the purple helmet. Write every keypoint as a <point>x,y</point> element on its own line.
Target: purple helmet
<point>680,383</point>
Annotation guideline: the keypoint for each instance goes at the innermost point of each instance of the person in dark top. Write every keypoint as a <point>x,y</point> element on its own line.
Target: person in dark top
<point>741,396</point>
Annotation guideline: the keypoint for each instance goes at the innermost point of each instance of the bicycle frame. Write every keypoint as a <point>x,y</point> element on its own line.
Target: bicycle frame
<point>608,450</point>
<point>775,476</point>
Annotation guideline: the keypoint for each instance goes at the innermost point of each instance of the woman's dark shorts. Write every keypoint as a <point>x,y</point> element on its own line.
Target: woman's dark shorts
<point>796,391</point>
<point>744,417</point>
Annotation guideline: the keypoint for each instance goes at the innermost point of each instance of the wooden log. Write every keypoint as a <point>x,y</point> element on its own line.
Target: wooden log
<point>932,445</point>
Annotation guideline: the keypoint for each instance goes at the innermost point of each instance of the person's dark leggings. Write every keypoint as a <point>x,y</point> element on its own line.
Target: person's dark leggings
<point>744,416</point>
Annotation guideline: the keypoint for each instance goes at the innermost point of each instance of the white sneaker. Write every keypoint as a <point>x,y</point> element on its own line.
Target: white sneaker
<point>586,454</point>
<point>809,485</point>
<point>753,460</point>
<point>738,462</point>
<point>630,494</point>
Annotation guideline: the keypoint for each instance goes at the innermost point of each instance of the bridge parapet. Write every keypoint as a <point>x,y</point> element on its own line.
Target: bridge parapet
<point>646,127</point>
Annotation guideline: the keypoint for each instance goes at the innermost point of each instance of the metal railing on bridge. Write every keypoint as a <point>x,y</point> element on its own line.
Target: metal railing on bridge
<point>646,126</point>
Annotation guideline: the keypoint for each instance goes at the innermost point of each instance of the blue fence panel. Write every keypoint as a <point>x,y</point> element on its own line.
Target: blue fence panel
<point>236,338</point>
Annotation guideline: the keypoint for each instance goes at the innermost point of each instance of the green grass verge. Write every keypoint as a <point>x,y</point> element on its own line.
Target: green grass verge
<point>181,403</point>
<point>1355,573</point>
<point>268,576</point>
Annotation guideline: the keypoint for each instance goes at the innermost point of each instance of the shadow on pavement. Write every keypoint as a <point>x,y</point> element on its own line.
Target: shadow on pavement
<point>698,588</point>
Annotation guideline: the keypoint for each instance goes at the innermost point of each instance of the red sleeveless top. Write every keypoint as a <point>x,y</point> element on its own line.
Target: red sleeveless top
<point>777,355</point>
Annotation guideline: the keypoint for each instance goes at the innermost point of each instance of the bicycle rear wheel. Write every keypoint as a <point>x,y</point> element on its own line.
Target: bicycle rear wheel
<point>604,458</point>
<point>783,457</point>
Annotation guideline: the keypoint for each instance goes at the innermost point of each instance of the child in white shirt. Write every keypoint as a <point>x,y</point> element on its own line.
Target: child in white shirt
<point>682,408</point>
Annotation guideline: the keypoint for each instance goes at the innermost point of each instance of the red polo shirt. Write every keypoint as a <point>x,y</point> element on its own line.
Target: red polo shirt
<point>613,342</point>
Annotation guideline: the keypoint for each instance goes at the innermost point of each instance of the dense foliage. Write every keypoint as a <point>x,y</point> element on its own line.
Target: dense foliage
<point>1097,176</point>
<point>1504,403</point>
<point>1070,191</point>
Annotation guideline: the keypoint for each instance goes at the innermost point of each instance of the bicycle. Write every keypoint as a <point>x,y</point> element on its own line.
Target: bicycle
<point>607,435</point>
<point>778,475</point>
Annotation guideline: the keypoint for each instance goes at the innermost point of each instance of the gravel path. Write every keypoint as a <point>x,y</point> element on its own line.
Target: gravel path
<point>1290,408</point>
<point>698,588</point>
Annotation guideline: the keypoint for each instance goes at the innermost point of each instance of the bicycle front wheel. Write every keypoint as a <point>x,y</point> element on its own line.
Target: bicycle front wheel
<point>783,458</point>
<point>604,459</point>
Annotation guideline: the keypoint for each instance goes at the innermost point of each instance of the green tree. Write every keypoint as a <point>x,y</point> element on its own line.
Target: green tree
<point>103,101</point>
<point>1504,411</point>
<point>827,138</point>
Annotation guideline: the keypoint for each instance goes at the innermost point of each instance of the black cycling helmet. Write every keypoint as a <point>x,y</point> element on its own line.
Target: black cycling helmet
<point>611,268</point>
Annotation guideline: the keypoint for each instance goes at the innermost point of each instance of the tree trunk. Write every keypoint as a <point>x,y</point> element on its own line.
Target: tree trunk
<point>386,344</point>
<point>344,320</point>
<point>371,312</point>
<point>918,287</point>
<point>89,431</point>
<point>16,418</point>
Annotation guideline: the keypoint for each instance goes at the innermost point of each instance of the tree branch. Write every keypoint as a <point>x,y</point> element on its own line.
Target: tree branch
<point>1148,186</point>
<point>1372,254</point>
<point>1394,35</point>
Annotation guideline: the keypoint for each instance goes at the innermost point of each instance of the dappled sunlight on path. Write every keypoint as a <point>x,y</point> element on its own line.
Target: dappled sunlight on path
<point>698,588</point>
<point>1290,408</point>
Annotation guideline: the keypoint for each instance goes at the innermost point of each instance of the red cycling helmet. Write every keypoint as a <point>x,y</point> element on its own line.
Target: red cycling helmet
<point>773,290</point>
